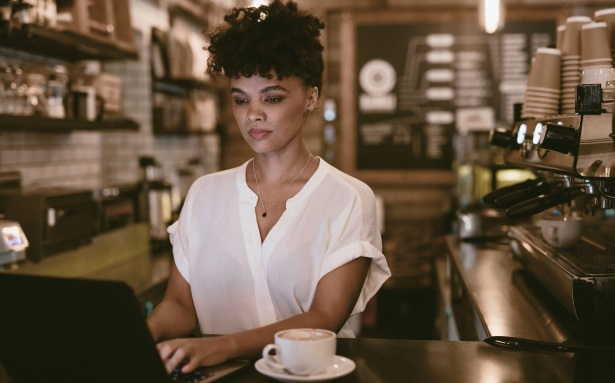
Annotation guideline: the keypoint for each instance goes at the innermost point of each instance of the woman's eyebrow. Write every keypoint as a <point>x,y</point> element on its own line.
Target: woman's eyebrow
<point>273,87</point>
<point>263,90</point>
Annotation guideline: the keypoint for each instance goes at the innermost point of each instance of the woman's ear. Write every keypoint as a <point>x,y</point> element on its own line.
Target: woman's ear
<point>312,99</point>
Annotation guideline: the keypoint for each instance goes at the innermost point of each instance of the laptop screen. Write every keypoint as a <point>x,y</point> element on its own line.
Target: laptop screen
<point>75,330</point>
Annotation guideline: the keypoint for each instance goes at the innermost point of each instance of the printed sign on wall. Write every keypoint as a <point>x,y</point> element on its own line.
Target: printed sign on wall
<point>414,80</point>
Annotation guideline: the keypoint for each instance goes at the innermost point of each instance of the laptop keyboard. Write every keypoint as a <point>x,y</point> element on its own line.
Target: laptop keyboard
<point>192,377</point>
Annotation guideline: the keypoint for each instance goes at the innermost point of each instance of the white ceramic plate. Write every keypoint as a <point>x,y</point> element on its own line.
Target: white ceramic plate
<point>341,366</point>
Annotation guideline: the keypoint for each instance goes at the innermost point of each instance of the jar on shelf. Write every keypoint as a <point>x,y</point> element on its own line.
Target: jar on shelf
<point>56,92</point>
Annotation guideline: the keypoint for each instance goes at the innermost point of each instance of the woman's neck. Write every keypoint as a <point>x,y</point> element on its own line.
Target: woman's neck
<point>280,168</point>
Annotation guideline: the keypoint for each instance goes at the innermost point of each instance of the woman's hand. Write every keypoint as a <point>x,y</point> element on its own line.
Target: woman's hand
<point>194,352</point>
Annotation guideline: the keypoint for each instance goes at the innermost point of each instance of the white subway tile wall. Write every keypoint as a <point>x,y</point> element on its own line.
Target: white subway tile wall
<point>67,159</point>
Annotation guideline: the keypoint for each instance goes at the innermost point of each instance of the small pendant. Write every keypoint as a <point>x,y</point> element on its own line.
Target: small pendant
<point>264,214</point>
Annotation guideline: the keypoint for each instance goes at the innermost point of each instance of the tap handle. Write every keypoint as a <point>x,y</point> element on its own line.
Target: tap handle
<point>500,137</point>
<point>518,196</point>
<point>559,138</point>
<point>539,204</point>
<point>498,193</point>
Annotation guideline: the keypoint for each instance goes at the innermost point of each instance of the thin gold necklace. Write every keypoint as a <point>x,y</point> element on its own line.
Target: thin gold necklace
<point>276,200</point>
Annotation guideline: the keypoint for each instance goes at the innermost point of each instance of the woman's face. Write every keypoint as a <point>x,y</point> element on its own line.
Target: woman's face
<point>270,112</point>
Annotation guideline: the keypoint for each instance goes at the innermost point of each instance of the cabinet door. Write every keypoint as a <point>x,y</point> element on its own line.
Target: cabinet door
<point>101,20</point>
<point>73,14</point>
<point>107,19</point>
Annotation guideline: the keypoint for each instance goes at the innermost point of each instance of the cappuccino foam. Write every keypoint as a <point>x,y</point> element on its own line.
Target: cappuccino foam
<point>305,335</point>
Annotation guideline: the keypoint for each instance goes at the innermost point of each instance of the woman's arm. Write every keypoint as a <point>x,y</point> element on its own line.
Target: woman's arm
<point>335,297</point>
<point>175,316</point>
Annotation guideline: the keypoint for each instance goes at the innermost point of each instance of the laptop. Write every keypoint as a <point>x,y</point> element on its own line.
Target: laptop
<point>82,330</point>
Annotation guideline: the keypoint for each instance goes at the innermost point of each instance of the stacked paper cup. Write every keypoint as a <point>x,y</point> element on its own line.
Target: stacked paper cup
<point>596,57</point>
<point>561,29</point>
<point>542,95</point>
<point>607,16</point>
<point>571,61</point>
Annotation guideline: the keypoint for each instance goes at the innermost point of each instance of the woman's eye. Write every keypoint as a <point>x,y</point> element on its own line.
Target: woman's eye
<point>240,101</point>
<point>273,100</point>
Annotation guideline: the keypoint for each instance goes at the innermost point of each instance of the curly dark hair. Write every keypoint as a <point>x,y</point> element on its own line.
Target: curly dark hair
<point>277,38</point>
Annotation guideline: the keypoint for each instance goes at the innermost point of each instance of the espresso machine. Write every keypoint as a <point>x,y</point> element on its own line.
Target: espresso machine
<point>573,157</point>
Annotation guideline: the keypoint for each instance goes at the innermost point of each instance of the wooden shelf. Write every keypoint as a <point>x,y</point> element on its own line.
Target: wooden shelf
<point>31,124</point>
<point>187,10</point>
<point>181,86</point>
<point>182,133</point>
<point>69,45</point>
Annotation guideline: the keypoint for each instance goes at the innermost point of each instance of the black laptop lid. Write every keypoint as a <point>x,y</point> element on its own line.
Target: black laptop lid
<point>74,330</point>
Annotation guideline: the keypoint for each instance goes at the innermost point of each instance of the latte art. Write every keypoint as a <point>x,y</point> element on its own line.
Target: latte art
<point>305,335</point>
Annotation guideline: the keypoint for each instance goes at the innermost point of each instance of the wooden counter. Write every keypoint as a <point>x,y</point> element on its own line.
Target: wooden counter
<point>123,254</point>
<point>396,360</point>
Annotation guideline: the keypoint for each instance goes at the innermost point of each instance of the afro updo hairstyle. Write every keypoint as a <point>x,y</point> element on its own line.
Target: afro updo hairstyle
<point>278,38</point>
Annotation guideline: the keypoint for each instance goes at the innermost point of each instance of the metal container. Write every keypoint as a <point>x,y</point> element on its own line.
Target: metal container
<point>483,224</point>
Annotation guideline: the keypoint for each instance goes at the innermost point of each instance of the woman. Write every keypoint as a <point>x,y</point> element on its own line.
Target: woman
<point>283,241</point>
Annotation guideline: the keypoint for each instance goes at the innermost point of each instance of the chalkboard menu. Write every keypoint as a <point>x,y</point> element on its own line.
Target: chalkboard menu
<point>419,83</point>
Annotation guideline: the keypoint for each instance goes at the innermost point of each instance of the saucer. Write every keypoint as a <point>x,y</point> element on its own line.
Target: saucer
<point>341,366</point>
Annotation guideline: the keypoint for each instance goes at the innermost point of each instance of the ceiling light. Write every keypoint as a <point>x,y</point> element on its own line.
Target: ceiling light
<point>491,14</point>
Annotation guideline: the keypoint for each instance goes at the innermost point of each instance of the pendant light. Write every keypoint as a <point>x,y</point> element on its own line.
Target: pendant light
<point>491,14</point>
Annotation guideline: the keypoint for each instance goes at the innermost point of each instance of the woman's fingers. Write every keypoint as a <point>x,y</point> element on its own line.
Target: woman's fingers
<point>165,350</point>
<point>176,359</point>
<point>191,353</point>
<point>172,354</point>
<point>192,364</point>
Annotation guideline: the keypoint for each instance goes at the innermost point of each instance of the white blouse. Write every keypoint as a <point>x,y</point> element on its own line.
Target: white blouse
<point>239,283</point>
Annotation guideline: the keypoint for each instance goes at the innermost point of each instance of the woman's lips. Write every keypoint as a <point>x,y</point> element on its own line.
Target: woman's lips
<point>258,134</point>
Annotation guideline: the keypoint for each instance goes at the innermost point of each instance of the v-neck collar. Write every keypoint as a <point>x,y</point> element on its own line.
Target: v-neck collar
<point>251,199</point>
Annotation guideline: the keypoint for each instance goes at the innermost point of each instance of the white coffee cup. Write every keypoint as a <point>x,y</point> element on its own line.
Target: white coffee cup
<point>302,351</point>
<point>597,76</point>
<point>561,232</point>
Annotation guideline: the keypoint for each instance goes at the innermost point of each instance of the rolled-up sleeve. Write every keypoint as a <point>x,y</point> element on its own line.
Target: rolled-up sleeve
<point>378,270</point>
<point>176,236</point>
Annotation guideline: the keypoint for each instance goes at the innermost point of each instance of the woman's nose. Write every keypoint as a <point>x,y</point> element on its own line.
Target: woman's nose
<point>255,114</point>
